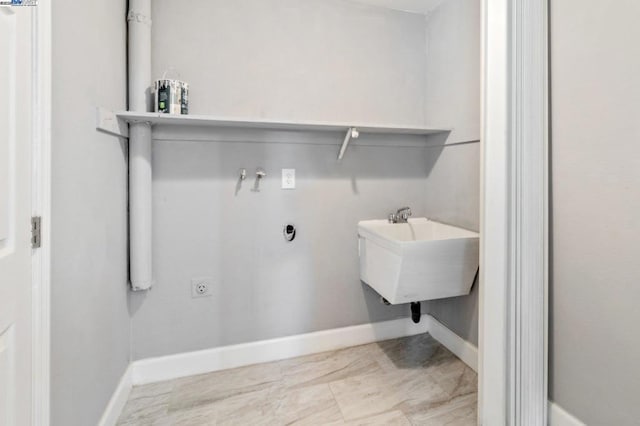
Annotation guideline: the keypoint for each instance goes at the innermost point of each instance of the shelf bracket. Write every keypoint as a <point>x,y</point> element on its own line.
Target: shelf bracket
<point>108,122</point>
<point>352,133</point>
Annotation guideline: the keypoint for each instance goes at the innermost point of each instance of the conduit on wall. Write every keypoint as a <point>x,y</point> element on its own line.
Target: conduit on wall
<point>140,237</point>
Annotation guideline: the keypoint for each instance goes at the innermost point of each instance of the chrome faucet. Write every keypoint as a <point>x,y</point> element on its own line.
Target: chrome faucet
<point>401,216</point>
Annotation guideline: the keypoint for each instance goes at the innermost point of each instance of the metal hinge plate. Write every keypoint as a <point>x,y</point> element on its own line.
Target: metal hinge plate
<point>35,231</point>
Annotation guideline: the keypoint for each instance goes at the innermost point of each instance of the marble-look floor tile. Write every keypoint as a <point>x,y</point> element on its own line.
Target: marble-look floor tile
<point>460,411</point>
<point>313,405</point>
<point>412,380</point>
<point>450,373</point>
<point>372,394</point>
<point>209,388</point>
<point>418,390</point>
<point>254,408</point>
<point>160,421</point>
<point>247,404</point>
<point>391,418</point>
<point>408,383</point>
<point>444,364</point>
<point>147,410</point>
<point>330,366</point>
<point>203,415</point>
<point>152,390</point>
<point>462,416</point>
<point>305,406</point>
<point>408,353</point>
<point>366,395</point>
<point>147,405</point>
<point>463,382</point>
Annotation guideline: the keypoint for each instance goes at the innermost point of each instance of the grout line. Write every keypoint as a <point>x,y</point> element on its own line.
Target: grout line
<point>336,401</point>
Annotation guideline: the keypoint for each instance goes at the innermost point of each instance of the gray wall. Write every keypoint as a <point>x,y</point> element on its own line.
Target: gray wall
<point>332,60</point>
<point>453,196</point>
<point>595,154</point>
<point>282,59</point>
<point>452,97</point>
<point>264,287</point>
<point>90,322</point>
<point>285,59</point>
<point>453,101</point>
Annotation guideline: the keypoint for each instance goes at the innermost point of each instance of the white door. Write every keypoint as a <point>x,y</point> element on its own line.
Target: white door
<point>15,215</point>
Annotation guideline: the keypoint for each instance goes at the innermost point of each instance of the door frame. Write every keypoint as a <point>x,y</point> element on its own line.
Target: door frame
<point>513,362</point>
<point>41,206</point>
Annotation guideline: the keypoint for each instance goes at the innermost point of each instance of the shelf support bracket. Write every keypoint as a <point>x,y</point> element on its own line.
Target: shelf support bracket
<point>352,133</point>
<point>108,122</point>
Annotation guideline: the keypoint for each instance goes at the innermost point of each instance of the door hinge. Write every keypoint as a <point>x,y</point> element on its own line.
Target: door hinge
<point>35,231</point>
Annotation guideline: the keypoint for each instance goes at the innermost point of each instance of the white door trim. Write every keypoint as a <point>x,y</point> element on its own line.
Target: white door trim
<point>513,291</point>
<point>41,206</point>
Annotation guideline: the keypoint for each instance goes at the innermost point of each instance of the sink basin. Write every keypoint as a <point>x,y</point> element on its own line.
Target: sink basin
<point>418,260</point>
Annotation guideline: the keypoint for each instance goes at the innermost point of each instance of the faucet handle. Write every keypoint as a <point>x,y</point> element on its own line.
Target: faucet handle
<point>393,218</point>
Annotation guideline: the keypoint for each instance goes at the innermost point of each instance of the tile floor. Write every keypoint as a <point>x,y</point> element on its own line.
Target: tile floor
<point>407,381</point>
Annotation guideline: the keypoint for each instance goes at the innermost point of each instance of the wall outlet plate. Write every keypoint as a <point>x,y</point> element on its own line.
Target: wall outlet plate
<point>288,178</point>
<point>201,287</point>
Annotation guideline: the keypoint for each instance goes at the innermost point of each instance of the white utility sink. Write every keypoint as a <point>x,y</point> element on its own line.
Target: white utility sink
<point>418,260</point>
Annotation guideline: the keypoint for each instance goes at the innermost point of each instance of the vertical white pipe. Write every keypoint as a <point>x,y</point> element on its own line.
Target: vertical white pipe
<point>140,215</point>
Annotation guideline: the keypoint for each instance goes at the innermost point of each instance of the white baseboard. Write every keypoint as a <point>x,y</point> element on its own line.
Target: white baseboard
<point>464,350</point>
<point>559,417</point>
<point>169,367</point>
<point>118,399</point>
<point>191,363</point>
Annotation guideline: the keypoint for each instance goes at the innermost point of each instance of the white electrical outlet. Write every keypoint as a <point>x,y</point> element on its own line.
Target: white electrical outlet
<point>201,287</point>
<point>288,178</point>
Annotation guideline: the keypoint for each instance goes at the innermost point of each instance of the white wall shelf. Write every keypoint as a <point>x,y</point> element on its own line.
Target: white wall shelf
<point>115,123</point>
<point>213,121</point>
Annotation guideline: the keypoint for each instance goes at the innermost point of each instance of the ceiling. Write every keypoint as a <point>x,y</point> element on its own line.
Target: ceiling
<point>423,7</point>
